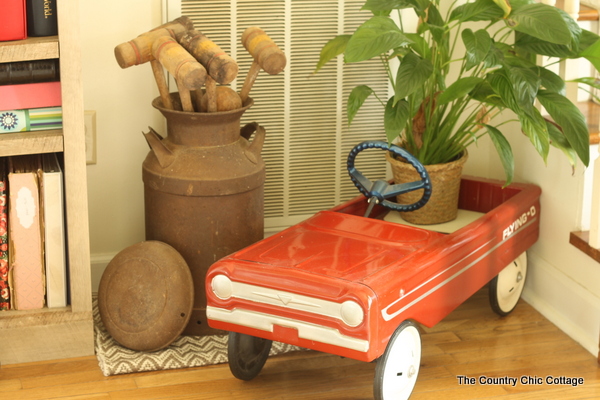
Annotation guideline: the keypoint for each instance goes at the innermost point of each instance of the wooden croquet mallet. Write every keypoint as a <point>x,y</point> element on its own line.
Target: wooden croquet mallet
<point>220,67</point>
<point>266,55</point>
<point>188,73</point>
<point>139,51</point>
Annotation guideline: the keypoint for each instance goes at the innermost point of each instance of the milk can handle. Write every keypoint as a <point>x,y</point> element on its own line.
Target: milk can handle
<point>259,137</point>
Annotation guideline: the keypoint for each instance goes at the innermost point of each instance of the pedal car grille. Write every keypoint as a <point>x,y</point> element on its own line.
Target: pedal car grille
<point>348,311</point>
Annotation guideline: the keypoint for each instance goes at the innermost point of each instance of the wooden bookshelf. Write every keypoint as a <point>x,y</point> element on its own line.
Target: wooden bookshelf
<point>48,334</point>
<point>41,48</point>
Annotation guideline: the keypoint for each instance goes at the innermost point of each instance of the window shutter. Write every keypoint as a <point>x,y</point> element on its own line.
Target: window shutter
<point>304,114</point>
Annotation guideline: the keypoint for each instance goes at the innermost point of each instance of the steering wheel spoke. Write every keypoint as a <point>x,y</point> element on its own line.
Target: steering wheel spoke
<point>401,188</point>
<point>379,191</point>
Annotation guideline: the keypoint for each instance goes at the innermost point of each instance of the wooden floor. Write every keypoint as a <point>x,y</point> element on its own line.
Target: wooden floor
<point>472,341</point>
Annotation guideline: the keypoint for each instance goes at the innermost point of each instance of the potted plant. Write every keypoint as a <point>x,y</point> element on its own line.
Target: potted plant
<point>445,98</point>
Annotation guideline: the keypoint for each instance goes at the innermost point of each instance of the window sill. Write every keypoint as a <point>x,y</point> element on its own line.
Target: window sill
<point>581,240</point>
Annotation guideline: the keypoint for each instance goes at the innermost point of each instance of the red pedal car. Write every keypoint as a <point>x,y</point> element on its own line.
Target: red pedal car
<point>350,282</point>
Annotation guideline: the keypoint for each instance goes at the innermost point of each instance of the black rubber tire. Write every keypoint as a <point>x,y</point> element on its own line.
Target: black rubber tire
<point>247,355</point>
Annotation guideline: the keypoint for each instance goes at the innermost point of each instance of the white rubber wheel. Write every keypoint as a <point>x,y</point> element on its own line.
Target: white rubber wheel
<point>506,288</point>
<point>397,369</point>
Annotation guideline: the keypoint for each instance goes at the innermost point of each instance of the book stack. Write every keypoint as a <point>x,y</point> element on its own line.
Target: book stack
<point>33,266</point>
<point>30,97</point>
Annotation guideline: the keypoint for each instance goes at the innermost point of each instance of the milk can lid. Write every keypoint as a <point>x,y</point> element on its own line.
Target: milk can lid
<point>146,295</point>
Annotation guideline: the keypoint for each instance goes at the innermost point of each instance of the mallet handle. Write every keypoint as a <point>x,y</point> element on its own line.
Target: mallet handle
<point>161,82</point>
<point>211,94</point>
<point>250,78</point>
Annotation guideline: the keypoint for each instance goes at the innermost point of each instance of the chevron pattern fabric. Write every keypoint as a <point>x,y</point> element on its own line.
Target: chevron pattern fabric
<point>185,352</point>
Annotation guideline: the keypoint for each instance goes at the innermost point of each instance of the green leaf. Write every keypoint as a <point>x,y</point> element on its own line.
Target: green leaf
<point>395,118</point>
<point>541,21</point>
<point>570,119</point>
<point>502,86</point>
<point>504,151</point>
<point>495,57</point>
<point>412,73</point>
<point>376,36</point>
<point>332,49</point>
<point>592,54</point>
<point>558,140</point>
<point>525,83</point>
<point>485,94</point>
<point>551,81</point>
<point>586,40</point>
<point>419,45</point>
<point>356,99</point>
<point>531,44</point>
<point>386,5</point>
<point>534,126</point>
<point>593,82</point>
<point>516,4</point>
<point>434,17</point>
<point>480,10</point>
<point>458,89</point>
<point>477,44</point>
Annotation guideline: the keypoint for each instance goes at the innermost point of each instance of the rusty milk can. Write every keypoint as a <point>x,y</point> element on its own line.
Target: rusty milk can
<point>203,191</point>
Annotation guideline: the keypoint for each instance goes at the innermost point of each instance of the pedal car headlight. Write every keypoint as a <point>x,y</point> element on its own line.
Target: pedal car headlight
<point>352,314</point>
<point>222,287</point>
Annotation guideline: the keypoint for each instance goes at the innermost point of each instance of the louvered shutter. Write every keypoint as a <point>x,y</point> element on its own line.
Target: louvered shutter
<point>308,137</point>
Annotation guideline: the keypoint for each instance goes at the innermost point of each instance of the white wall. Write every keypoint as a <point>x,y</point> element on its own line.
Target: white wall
<point>121,99</point>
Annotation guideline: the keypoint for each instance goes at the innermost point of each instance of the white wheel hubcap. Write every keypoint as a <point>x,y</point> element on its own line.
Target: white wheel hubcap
<point>510,283</point>
<point>402,364</point>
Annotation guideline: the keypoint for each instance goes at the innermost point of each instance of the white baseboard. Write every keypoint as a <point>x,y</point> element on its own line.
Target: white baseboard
<point>99,263</point>
<point>565,303</point>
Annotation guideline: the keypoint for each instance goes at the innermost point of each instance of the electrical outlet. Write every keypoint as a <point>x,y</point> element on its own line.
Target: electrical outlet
<point>90,136</point>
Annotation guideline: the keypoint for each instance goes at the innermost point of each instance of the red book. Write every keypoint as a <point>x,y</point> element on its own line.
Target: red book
<point>13,20</point>
<point>30,95</point>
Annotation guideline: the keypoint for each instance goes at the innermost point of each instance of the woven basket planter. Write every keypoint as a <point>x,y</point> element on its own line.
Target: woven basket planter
<point>445,180</point>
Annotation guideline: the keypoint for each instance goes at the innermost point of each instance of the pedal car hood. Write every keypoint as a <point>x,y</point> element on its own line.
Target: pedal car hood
<point>340,246</point>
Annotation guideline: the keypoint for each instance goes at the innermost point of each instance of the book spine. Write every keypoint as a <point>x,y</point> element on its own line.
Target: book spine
<point>13,20</point>
<point>35,119</point>
<point>4,287</point>
<point>41,18</point>
<point>30,95</point>
<point>29,72</point>
<point>26,259</point>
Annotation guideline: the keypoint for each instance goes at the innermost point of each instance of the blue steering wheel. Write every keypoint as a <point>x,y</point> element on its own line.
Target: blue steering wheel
<point>379,191</point>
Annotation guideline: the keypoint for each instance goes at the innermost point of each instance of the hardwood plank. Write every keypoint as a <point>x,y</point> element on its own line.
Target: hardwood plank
<point>7,385</point>
<point>66,391</point>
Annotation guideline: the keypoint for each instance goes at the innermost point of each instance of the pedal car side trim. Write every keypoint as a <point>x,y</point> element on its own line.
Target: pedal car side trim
<point>265,322</point>
<point>387,316</point>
